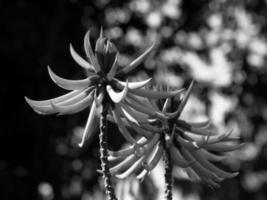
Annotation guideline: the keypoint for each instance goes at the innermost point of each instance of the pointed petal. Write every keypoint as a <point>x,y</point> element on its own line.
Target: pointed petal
<point>88,127</point>
<point>128,116</point>
<point>76,107</point>
<point>211,156</point>
<point>89,52</point>
<point>152,163</point>
<point>132,168</point>
<point>137,61</point>
<point>45,107</point>
<point>69,84</point>
<point>197,131</point>
<point>120,124</point>
<point>113,69</point>
<point>178,158</point>
<point>80,61</point>
<point>222,147</point>
<point>192,146</point>
<point>42,110</point>
<point>117,97</point>
<point>184,100</point>
<point>55,100</point>
<point>203,124</point>
<point>141,131</point>
<point>205,163</point>
<point>133,85</point>
<point>122,166</point>
<point>139,117</point>
<point>143,107</point>
<point>205,175</point>
<point>154,94</point>
<point>166,105</point>
<point>123,153</point>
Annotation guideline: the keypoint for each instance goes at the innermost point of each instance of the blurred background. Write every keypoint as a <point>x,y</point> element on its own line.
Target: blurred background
<point>221,44</point>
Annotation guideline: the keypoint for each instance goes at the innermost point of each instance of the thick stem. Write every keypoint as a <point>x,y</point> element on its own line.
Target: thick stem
<point>168,171</point>
<point>104,155</point>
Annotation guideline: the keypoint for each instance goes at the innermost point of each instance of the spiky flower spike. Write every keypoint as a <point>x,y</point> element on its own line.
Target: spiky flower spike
<point>192,146</point>
<point>99,88</point>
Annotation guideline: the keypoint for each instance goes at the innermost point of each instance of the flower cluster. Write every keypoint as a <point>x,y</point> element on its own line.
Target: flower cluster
<point>191,145</point>
<point>153,115</point>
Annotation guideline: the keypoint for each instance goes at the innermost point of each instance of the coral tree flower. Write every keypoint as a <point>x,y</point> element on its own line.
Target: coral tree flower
<point>101,83</point>
<point>192,146</point>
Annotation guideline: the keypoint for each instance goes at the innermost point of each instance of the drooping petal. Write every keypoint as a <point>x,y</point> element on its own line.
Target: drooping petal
<point>80,61</point>
<point>137,61</point>
<point>205,163</point>
<point>192,146</point>
<point>178,159</point>
<point>89,52</point>
<point>55,100</point>
<point>205,175</point>
<point>139,117</point>
<point>123,153</point>
<point>121,126</point>
<point>211,156</point>
<point>152,162</point>
<point>222,147</point>
<point>128,115</point>
<point>122,166</point>
<point>70,84</point>
<point>87,133</point>
<point>140,131</point>
<point>76,107</point>
<point>117,97</point>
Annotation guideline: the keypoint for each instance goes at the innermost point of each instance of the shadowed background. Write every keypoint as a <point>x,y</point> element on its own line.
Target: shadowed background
<point>222,44</point>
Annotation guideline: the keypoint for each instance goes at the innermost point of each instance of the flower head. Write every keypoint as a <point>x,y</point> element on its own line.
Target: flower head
<point>100,87</point>
<point>192,146</point>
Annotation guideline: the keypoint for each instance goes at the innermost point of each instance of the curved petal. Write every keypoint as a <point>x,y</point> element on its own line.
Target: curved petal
<point>178,158</point>
<point>152,162</point>
<point>89,52</point>
<point>122,166</point>
<point>123,153</point>
<point>142,107</point>
<point>137,61</point>
<point>121,126</point>
<point>55,100</point>
<point>205,163</point>
<point>113,69</point>
<point>184,100</point>
<point>88,127</point>
<point>117,97</point>
<point>133,85</point>
<point>155,94</point>
<point>69,84</point>
<point>80,61</point>
<point>222,147</point>
<point>76,107</point>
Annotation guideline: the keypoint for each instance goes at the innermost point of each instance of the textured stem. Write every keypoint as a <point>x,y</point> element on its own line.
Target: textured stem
<point>104,155</point>
<point>168,171</point>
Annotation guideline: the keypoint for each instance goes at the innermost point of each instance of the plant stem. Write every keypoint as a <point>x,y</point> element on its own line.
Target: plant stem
<point>104,155</point>
<point>168,171</point>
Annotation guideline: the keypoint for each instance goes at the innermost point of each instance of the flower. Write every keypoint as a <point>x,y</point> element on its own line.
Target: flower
<point>192,146</point>
<point>100,87</point>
